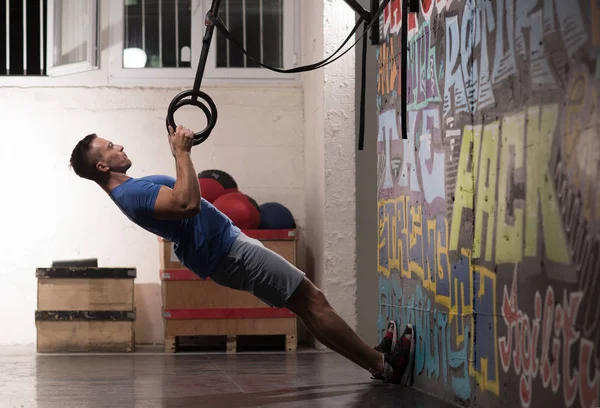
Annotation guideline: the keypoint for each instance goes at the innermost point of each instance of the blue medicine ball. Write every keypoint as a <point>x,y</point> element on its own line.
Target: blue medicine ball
<point>276,216</point>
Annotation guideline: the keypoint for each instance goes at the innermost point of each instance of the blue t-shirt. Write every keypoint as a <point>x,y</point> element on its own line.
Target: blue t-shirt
<point>199,242</point>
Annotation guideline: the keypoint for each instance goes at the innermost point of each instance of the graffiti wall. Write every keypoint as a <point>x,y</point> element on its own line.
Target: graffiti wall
<point>489,213</point>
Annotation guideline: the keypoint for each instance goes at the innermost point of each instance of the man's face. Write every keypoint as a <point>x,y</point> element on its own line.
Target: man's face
<point>111,156</point>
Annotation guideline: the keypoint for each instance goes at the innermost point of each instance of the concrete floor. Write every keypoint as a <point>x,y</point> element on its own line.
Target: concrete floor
<point>149,379</point>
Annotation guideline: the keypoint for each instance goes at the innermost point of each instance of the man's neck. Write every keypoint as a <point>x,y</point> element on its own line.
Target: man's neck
<point>113,181</point>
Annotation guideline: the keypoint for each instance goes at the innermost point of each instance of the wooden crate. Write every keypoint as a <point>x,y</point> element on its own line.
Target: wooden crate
<point>85,309</point>
<point>196,307</point>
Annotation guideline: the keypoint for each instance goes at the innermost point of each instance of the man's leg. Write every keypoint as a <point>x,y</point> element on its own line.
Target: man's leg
<point>310,304</point>
<point>251,267</point>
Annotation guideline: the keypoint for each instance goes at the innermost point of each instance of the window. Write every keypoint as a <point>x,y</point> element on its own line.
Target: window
<point>22,38</point>
<point>72,38</point>
<point>157,34</point>
<point>47,37</point>
<point>266,29</point>
<point>258,25</point>
<point>160,39</point>
<point>154,40</point>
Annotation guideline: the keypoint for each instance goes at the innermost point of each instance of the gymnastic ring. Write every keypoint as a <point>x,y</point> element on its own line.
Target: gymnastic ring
<point>211,115</point>
<point>181,103</point>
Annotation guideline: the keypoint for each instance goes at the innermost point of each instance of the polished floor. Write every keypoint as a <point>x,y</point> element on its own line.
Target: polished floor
<point>153,379</point>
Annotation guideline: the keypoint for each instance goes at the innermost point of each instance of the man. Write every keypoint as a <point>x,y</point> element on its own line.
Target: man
<point>207,243</point>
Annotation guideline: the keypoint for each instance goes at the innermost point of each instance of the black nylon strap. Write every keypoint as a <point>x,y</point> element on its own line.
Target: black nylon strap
<point>216,20</point>
<point>404,64</point>
<point>221,26</point>
<point>363,86</point>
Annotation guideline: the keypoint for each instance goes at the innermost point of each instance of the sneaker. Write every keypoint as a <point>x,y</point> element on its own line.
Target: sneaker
<point>389,341</point>
<point>387,344</point>
<point>409,335</point>
<point>400,361</point>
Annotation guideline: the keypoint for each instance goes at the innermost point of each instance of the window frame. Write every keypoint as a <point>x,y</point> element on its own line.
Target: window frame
<point>92,61</point>
<point>172,76</point>
<point>291,27</point>
<point>117,34</point>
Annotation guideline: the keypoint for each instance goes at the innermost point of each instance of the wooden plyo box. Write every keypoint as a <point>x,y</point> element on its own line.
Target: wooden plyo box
<point>196,307</point>
<point>85,310</point>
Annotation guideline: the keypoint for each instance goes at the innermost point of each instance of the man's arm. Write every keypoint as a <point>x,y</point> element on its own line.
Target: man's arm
<point>183,201</point>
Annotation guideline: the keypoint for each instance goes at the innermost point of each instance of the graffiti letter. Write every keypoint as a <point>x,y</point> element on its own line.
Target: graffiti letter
<point>545,364</point>
<point>509,311</point>
<point>442,286</point>
<point>432,162</point>
<point>504,61</point>
<point>461,304</point>
<point>422,342</point>
<point>392,17</point>
<point>509,229</point>
<point>441,322</point>
<point>384,243</point>
<point>558,323</point>
<point>475,67</point>
<point>454,78</point>
<point>485,97</point>
<point>484,353</point>
<point>570,336</point>
<point>486,193</point>
<point>460,384</point>
<point>540,69</point>
<point>532,22</point>
<point>430,257</point>
<point>427,8</point>
<point>540,188</point>
<point>408,170</point>
<point>432,93</point>
<point>469,159</point>
<point>388,132</point>
<point>417,230</point>
<point>571,25</point>
<point>393,250</point>
<point>467,59</point>
<point>432,356</point>
<point>403,235</point>
<point>387,73</point>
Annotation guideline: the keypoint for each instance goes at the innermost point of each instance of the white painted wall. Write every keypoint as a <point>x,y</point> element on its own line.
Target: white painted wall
<point>314,129</point>
<point>367,284</point>
<point>314,132</point>
<point>330,155</point>
<point>340,164</point>
<point>49,213</point>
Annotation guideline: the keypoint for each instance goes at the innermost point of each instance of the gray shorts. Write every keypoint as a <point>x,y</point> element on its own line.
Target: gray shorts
<point>252,267</point>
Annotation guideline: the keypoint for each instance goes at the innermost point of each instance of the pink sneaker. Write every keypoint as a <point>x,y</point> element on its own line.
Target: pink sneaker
<point>400,361</point>
<point>387,344</point>
<point>389,341</point>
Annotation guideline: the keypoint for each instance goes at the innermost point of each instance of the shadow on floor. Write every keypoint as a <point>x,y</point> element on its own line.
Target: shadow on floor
<point>366,394</point>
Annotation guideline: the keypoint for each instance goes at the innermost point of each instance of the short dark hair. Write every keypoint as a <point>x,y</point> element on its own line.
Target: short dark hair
<point>83,160</point>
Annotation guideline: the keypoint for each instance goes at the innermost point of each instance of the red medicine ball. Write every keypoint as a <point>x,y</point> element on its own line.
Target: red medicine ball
<point>215,183</point>
<point>211,189</point>
<point>239,209</point>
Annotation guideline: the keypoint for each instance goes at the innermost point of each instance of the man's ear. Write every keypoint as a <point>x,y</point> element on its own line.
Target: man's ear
<point>103,167</point>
